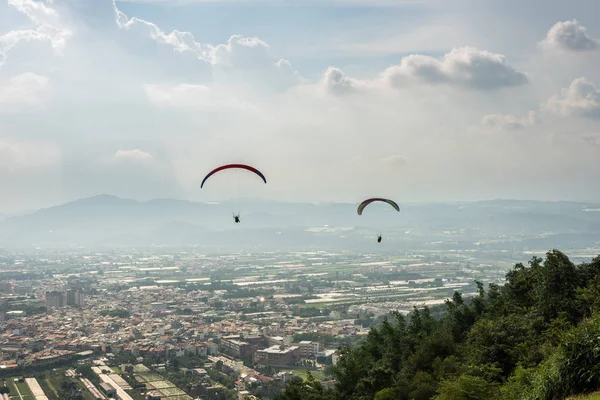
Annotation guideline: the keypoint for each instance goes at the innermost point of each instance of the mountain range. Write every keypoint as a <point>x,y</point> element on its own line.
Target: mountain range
<point>110,220</point>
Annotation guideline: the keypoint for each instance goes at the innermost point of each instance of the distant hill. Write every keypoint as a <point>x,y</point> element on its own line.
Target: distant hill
<point>108,219</point>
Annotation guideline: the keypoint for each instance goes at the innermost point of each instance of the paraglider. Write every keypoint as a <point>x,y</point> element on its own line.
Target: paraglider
<point>236,216</point>
<point>230,166</point>
<point>365,203</point>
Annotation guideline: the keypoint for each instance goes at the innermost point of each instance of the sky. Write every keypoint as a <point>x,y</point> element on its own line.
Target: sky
<point>333,100</point>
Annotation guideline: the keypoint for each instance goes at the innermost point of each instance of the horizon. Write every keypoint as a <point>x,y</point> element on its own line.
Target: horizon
<point>266,200</point>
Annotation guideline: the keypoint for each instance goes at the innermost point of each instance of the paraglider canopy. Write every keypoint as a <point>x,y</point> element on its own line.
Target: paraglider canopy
<point>236,166</point>
<point>365,203</point>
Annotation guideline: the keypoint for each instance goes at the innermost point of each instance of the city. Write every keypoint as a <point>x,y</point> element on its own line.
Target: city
<point>225,326</point>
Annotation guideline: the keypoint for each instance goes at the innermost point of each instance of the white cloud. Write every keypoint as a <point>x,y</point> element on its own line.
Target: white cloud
<point>16,156</point>
<point>135,156</point>
<point>198,98</point>
<point>337,83</point>
<point>22,92</point>
<point>570,36</point>
<point>182,42</point>
<point>241,52</point>
<point>509,121</point>
<point>179,95</point>
<point>465,67</point>
<point>241,61</point>
<point>581,98</point>
<point>37,11</point>
<point>47,28</point>
<point>244,60</point>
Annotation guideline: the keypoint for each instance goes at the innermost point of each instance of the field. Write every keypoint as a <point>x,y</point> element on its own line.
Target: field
<point>162,384</point>
<point>23,390</point>
<point>172,392</point>
<point>151,377</point>
<point>302,373</point>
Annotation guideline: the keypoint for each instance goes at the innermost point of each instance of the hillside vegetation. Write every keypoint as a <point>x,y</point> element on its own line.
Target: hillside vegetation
<point>535,337</point>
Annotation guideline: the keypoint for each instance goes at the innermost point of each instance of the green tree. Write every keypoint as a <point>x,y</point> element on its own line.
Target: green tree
<point>556,286</point>
<point>468,387</point>
<point>311,389</point>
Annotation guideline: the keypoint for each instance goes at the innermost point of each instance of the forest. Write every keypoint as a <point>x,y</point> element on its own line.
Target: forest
<point>535,337</point>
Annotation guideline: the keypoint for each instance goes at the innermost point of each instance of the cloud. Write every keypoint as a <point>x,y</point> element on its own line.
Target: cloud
<point>581,98</point>
<point>22,92</point>
<point>182,42</point>
<point>37,11</point>
<point>465,67</point>
<point>29,174</point>
<point>133,156</point>
<point>396,161</point>
<point>570,36</point>
<point>183,95</point>
<point>337,83</point>
<point>509,121</point>
<point>208,101</point>
<point>244,60</point>
<point>241,60</point>
<point>241,52</point>
<point>16,156</point>
<point>47,28</point>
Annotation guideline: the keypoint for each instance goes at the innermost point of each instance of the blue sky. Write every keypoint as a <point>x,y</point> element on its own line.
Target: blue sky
<point>306,31</point>
<point>425,100</point>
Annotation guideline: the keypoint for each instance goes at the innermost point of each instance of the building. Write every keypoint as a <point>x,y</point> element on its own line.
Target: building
<point>15,314</point>
<point>278,356</point>
<point>235,347</point>
<point>308,349</point>
<point>158,306</point>
<point>280,340</point>
<point>108,389</point>
<point>56,299</point>
<point>335,357</point>
<point>75,298</point>
<point>212,348</point>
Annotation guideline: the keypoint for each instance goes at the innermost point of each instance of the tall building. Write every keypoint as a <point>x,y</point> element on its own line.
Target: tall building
<point>56,299</point>
<point>278,356</point>
<point>75,297</point>
<point>237,348</point>
<point>308,349</point>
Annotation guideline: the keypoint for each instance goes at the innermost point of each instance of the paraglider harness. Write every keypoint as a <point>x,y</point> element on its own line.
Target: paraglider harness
<point>236,218</point>
<point>378,238</point>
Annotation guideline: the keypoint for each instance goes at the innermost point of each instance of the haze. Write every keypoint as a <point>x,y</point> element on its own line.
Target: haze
<point>333,100</point>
